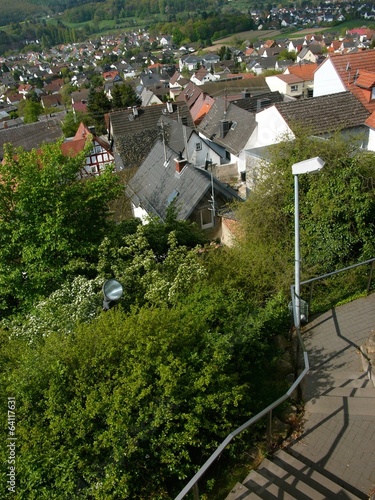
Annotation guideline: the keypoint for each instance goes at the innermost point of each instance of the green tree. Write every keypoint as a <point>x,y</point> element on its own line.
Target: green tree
<point>156,389</point>
<point>50,222</point>
<point>72,120</point>
<point>286,54</point>
<point>116,97</point>
<point>97,105</point>
<point>337,213</point>
<point>124,96</point>
<point>31,111</point>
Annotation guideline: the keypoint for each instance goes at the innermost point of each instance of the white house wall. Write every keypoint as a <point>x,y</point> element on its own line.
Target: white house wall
<point>199,152</point>
<point>271,129</point>
<point>326,80</point>
<point>275,84</point>
<point>371,140</point>
<point>140,213</point>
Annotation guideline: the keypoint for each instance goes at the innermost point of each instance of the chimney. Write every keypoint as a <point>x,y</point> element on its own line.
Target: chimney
<point>135,111</point>
<point>170,106</point>
<point>245,93</point>
<point>180,163</point>
<point>224,127</point>
<point>262,103</point>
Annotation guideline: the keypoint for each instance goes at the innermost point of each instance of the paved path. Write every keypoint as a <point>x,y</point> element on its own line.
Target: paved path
<point>339,428</point>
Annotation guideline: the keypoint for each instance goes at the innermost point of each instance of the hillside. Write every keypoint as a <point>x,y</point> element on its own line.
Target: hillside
<point>19,10</point>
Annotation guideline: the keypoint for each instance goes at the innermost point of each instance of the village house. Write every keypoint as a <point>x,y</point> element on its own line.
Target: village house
<point>99,155</point>
<point>167,179</point>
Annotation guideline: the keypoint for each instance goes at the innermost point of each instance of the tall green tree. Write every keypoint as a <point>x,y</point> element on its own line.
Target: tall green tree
<point>31,111</point>
<point>50,222</point>
<point>337,209</point>
<point>97,105</point>
<point>123,96</point>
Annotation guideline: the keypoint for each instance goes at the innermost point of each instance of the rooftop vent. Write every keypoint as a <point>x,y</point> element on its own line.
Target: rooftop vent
<point>224,127</point>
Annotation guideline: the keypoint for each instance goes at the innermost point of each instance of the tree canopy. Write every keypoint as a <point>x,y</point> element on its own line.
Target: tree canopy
<point>50,222</point>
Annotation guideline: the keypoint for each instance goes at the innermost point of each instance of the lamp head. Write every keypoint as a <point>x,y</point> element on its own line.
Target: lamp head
<point>112,291</point>
<point>310,166</point>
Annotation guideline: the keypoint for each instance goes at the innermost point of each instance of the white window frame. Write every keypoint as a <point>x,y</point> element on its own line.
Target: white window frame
<point>208,224</point>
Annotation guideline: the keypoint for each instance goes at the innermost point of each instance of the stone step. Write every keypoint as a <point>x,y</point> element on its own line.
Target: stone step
<point>293,483</point>
<point>341,378</point>
<point>322,485</point>
<point>284,476</point>
<point>265,487</point>
<point>240,492</point>
<point>351,392</point>
<point>348,405</point>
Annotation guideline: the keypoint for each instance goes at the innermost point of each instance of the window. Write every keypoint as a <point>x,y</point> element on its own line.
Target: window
<point>198,146</point>
<point>207,219</point>
<point>294,88</point>
<point>373,93</point>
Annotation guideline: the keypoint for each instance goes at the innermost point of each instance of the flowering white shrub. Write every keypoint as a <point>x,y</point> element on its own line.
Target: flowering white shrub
<point>75,302</point>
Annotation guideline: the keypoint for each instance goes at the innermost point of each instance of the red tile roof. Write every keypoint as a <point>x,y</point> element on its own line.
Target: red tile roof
<point>290,78</point>
<point>365,79</point>
<point>370,122</point>
<point>350,67</point>
<point>74,147</point>
<point>304,71</point>
<point>347,64</point>
<point>201,107</point>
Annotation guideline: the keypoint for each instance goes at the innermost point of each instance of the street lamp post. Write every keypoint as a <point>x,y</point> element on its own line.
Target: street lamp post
<point>310,166</point>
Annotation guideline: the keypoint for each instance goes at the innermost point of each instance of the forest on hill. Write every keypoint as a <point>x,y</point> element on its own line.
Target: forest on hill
<point>20,10</point>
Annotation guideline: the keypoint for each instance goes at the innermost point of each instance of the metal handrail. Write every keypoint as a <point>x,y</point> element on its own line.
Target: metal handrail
<point>323,276</point>
<point>194,480</point>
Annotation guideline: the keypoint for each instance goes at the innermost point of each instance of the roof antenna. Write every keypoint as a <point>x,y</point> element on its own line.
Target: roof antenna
<point>185,142</point>
<point>225,102</point>
<point>166,162</point>
<point>348,68</point>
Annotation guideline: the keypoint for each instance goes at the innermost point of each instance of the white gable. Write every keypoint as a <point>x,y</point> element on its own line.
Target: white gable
<point>327,80</point>
<point>271,129</point>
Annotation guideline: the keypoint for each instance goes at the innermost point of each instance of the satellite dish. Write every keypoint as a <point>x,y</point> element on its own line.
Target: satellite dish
<point>112,291</point>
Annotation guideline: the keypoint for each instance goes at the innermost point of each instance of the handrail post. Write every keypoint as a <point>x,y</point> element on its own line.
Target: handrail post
<point>196,491</point>
<point>311,292</point>
<point>269,430</point>
<point>370,277</point>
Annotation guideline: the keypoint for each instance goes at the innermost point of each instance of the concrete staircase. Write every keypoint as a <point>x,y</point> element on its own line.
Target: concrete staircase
<point>295,472</point>
<point>286,477</point>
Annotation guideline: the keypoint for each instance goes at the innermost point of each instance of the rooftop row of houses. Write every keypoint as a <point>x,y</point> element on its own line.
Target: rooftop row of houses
<point>224,128</point>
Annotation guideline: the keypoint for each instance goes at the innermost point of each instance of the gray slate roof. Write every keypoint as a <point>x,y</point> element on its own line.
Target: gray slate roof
<point>31,136</point>
<point>174,133</point>
<point>154,185</point>
<point>147,118</point>
<point>251,103</point>
<point>324,114</point>
<point>241,125</point>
